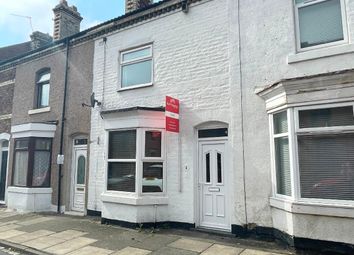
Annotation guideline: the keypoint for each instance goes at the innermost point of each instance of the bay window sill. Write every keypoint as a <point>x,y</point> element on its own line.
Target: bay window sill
<point>132,200</point>
<point>320,53</point>
<point>39,110</point>
<point>320,209</point>
<point>27,190</point>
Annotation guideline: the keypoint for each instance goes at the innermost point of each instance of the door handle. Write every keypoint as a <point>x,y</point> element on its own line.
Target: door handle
<point>213,189</point>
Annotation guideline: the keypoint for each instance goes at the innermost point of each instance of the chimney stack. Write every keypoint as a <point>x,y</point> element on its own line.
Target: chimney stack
<point>133,5</point>
<point>66,20</point>
<point>39,39</point>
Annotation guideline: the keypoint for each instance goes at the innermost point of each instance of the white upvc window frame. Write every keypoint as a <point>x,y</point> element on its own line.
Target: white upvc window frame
<point>324,45</point>
<point>293,132</point>
<point>317,131</point>
<point>273,136</point>
<point>135,61</point>
<point>139,160</point>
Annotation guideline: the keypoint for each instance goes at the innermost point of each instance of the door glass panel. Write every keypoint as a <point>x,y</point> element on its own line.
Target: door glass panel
<point>207,166</point>
<point>3,175</point>
<point>81,162</point>
<point>219,168</point>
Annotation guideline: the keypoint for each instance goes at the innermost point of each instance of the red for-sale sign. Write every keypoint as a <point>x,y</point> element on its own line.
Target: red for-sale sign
<point>172,114</point>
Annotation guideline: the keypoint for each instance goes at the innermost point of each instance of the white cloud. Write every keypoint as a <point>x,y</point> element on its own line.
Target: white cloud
<point>39,10</point>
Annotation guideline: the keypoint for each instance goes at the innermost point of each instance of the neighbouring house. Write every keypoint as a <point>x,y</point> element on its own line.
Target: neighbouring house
<point>49,126</point>
<point>7,81</point>
<point>266,119</point>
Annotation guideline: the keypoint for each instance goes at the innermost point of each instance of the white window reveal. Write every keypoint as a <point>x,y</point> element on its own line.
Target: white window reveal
<point>136,161</point>
<point>136,67</point>
<point>320,23</point>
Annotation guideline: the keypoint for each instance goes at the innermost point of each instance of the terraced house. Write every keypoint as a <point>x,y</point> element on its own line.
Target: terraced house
<point>265,119</point>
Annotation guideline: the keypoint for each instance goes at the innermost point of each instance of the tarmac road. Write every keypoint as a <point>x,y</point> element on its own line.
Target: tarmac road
<point>4,251</point>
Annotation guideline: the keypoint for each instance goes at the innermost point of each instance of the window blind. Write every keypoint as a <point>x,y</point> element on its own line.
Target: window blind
<point>328,117</point>
<point>122,144</point>
<point>326,165</point>
<point>282,165</point>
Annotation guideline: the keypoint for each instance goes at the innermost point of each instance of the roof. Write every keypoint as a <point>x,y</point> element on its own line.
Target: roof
<point>135,108</point>
<point>13,51</point>
<point>146,13</point>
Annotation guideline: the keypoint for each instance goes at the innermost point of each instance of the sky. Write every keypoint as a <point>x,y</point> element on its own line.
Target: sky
<point>14,29</point>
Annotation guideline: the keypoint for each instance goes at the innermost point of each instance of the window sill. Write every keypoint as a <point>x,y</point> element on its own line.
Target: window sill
<point>345,211</point>
<point>135,87</point>
<point>39,110</point>
<point>145,200</point>
<point>320,53</point>
<point>26,190</point>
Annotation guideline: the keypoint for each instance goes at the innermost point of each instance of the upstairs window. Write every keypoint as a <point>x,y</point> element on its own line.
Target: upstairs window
<point>136,67</point>
<point>320,22</point>
<point>43,87</point>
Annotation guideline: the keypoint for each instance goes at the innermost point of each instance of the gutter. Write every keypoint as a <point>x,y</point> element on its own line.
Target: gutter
<point>62,122</point>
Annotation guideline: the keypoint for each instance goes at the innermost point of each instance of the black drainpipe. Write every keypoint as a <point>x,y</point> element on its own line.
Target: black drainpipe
<point>62,123</point>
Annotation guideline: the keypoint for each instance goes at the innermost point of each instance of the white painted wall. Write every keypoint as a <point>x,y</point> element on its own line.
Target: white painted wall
<point>192,63</point>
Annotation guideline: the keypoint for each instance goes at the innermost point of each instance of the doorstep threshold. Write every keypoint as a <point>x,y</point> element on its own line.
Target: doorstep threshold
<point>219,232</point>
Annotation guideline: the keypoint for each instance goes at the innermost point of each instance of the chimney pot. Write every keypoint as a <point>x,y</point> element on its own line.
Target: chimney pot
<point>133,5</point>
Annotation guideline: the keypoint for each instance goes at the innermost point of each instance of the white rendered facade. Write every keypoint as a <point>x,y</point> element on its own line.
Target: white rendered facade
<point>216,71</point>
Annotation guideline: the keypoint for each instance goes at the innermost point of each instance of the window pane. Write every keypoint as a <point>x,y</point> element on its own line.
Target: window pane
<point>329,117</point>
<point>153,144</point>
<point>43,144</point>
<point>320,23</point>
<point>282,165</point>
<point>327,166</point>
<point>137,54</point>
<point>153,177</point>
<point>280,121</point>
<point>44,95</point>
<point>135,74</point>
<point>21,144</point>
<point>121,176</point>
<point>122,144</point>
<point>20,169</point>
<point>219,164</point>
<point>41,169</point>
<point>81,162</point>
<point>44,77</point>
<point>5,144</point>
<point>207,167</point>
<point>218,132</point>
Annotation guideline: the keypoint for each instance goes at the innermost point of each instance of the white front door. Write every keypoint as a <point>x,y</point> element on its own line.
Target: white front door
<point>213,193</point>
<point>80,155</point>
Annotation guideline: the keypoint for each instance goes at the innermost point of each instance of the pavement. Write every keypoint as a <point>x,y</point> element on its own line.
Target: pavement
<point>73,235</point>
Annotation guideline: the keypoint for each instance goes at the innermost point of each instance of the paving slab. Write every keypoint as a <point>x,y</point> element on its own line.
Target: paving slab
<point>10,233</point>
<point>218,249</point>
<point>30,236</point>
<point>132,251</point>
<point>190,245</point>
<point>42,243</point>
<point>8,222</point>
<point>91,250</point>
<point>155,242</point>
<point>8,227</point>
<point>69,246</point>
<point>173,251</point>
<point>68,234</point>
<point>34,221</point>
<point>257,252</point>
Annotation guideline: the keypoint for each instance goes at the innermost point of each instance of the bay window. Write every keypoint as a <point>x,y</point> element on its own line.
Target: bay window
<point>320,22</point>
<point>322,169</point>
<point>135,161</point>
<point>32,160</point>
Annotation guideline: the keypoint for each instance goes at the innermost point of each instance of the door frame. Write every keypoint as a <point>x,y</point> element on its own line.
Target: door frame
<point>5,137</point>
<point>73,173</point>
<point>228,180</point>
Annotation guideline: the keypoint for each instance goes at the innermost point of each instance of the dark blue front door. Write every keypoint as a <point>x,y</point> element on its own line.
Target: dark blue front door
<point>3,170</point>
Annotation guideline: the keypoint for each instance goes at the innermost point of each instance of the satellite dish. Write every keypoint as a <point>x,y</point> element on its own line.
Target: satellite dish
<point>93,101</point>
